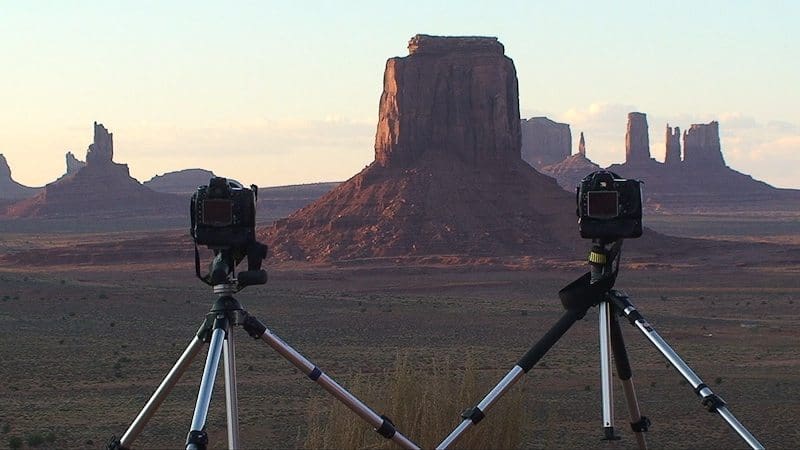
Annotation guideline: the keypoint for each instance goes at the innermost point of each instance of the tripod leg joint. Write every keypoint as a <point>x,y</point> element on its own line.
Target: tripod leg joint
<point>197,440</point>
<point>473,414</point>
<point>254,327</point>
<point>387,428</point>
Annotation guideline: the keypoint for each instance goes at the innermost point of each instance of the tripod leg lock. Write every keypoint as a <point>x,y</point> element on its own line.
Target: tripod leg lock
<point>386,429</point>
<point>197,439</point>
<point>641,426</point>
<point>474,414</point>
<point>315,374</point>
<point>711,401</point>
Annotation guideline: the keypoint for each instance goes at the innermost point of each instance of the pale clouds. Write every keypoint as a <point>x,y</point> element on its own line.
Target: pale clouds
<point>267,153</point>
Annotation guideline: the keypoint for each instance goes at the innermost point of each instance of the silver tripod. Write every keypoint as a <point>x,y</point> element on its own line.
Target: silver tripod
<point>595,289</point>
<point>217,331</point>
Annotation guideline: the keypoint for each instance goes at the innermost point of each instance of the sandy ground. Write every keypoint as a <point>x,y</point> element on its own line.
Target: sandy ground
<point>84,346</point>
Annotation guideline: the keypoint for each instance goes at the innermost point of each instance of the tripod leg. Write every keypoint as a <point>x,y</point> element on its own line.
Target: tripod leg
<point>382,424</point>
<point>231,398</point>
<point>474,415</point>
<point>639,423</point>
<point>197,438</point>
<point>161,393</point>
<point>606,384</point>
<point>710,400</point>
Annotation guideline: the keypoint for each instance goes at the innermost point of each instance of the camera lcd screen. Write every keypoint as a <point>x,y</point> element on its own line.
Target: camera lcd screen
<point>217,212</point>
<point>602,204</point>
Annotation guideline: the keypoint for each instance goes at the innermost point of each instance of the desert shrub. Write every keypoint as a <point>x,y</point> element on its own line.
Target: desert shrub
<point>425,405</point>
<point>14,442</point>
<point>34,440</point>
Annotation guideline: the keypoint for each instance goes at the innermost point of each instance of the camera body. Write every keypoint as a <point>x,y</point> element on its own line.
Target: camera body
<point>223,215</point>
<point>609,207</point>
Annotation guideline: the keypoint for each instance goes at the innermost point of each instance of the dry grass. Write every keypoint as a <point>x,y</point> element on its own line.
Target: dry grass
<point>424,404</point>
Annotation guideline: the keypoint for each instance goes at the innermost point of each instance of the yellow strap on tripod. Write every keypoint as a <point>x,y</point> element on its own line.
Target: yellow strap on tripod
<point>597,258</point>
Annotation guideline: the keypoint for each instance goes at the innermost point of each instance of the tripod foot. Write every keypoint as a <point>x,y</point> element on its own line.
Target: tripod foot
<point>115,444</point>
<point>609,434</point>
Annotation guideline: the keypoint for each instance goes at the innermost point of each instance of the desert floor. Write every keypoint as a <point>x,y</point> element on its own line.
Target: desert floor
<point>84,345</point>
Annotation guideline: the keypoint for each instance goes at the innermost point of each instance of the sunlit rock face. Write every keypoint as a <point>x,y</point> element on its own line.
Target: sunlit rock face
<point>448,177</point>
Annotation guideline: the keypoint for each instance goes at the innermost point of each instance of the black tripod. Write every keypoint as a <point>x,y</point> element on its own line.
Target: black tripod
<point>217,331</point>
<point>595,289</point>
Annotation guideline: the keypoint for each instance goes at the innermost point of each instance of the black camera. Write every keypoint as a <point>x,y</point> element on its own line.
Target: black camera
<point>609,207</point>
<point>223,214</point>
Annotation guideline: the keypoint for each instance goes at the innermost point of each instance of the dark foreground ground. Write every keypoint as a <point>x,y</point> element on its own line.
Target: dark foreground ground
<point>82,349</point>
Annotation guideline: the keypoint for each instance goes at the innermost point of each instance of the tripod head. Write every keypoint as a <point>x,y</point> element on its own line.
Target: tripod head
<point>222,268</point>
<point>590,289</point>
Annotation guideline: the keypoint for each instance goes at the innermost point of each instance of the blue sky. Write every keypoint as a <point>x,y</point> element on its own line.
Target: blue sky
<point>287,92</point>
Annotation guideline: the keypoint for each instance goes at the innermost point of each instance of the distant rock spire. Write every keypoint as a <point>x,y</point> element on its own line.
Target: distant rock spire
<point>582,146</point>
<point>73,164</point>
<point>101,151</point>
<point>673,143</point>
<point>637,139</point>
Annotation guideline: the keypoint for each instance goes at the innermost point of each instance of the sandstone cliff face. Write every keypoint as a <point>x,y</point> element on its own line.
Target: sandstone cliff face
<point>545,142</point>
<point>701,147</point>
<point>637,139</point>
<point>672,156</point>
<point>447,179</point>
<point>10,189</point>
<point>451,96</point>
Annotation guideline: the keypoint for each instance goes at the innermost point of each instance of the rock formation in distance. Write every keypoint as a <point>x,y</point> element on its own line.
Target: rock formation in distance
<point>545,141</point>
<point>701,147</point>
<point>637,139</point>
<point>573,168</point>
<point>448,177</point>
<point>183,182</point>
<point>102,189</point>
<point>10,189</point>
<point>672,156</point>
<point>433,98</point>
<point>73,164</point>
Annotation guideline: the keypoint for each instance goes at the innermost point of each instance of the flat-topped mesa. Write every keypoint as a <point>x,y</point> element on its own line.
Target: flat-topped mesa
<point>637,139</point>
<point>439,45</point>
<point>672,156</point>
<point>701,146</point>
<point>545,142</point>
<point>101,151</point>
<point>449,98</point>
